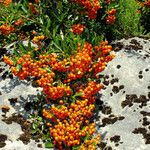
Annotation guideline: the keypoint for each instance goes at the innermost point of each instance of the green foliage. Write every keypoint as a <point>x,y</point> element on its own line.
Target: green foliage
<point>49,144</point>
<point>128,18</point>
<point>144,20</point>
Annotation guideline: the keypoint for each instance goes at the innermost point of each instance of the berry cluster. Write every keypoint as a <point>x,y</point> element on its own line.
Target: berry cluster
<point>108,1</point>
<point>6,29</point>
<point>37,1</point>
<point>8,61</point>
<point>103,57</point>
<point>147,3</point>
<point>91,89</point>
<point>111,18</point>
<point>68,118</point>
<point>55,93</point>
<point>38,39</point>
<point>18,22</point>
<point>33,9</point>
<point>90,144</point>
<point>6,2</point>
<point>78,28</point>
<point>72,123</point>
<point>80,63</point>
<point>91,6</point>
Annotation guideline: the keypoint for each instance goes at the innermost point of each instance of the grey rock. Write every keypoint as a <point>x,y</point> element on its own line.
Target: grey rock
<point>132,64</point>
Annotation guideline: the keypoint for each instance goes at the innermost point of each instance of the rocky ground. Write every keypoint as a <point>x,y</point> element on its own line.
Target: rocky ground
<point>124,121</point>
<point>124,105</point>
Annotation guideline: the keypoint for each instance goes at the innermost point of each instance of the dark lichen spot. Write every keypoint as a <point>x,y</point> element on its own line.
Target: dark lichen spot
<point>146,55</point>
<point>106,110</point>
<point>107,76</point>
<point>13,100</point>
<point>140,72</point>
<point>142,99</point>
<point>99,103</point>
<point>144,113</point>
<point>106,121</point>
<point>121,118</point>
<point>115,138</point>
<point>114,80</point>
<point>101,75</point>
<point>115,89</point>
<point>117,46</point>
<point>121,87</point>
<point>10,76</point>
<point>148,94</point>
<point>147,138</point>
<point>106,83</point>
<point>110,120</point>
<point>146,70</point>
<point>129,100</point>
<point>102,145</point>
<point>145,122</point>
<point>2,144</point>
<point>143,131</point>
<point>108,148</point>
<point>123,92</point>
<point>112,75</point>
<point>126,103</point>
<point>3,138</point>
<point>1,70</point>
<point>39,145</point>
<point>24,138</point>
<point>140,76</point>
<point>5,108</point>
<point>136,45</point>
<point>118,66</point>
<point>4,76</point>
<point>139,131</point>
<point>28,106</point>
<point>37,140</point>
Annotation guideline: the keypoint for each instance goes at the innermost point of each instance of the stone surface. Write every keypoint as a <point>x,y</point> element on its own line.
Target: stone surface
<point>14,95</point>
<point>128,98</point>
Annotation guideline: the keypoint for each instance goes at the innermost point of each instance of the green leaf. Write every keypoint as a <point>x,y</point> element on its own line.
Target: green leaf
<point>78,94</point>
<point>49,144</point>
<point>39,119</point>
<point>34,126</point>
<point>33,131</point>
<point>23,49</point>
<point>16,53</point>
<point>75,147</point>
<point>24,9</point>
<point>46,136</point>
<point>87,137</point>
<point>48,23</point>
<point>18,67</point>
<point>48,69</point>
